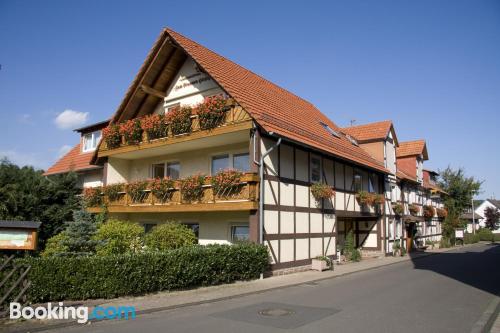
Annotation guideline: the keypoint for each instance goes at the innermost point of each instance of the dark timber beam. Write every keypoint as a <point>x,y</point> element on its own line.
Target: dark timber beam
<point>151,91</point>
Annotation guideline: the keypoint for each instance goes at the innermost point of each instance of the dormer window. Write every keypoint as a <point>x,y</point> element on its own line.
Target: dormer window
<point>90,141</point>
<point>330,130</point>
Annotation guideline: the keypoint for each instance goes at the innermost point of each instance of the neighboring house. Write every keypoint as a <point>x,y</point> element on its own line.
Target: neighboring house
<point>78,159</point>
<point>479,210</point>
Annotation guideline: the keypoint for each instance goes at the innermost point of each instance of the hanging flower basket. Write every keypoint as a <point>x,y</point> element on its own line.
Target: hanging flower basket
<point>441,213</point>
<point>378,199</point>
<point>414,209</point>
<point>211,112</point>
<point>131,131</point>
<point>429,212</point>
<point>365,198</point>
<point>192,187</point>
<point>322,191</point>
<point>226,183</point>
<point>154,126</point>
<point>398,209</point>
<point>112,137</point>
<point>179,119</point>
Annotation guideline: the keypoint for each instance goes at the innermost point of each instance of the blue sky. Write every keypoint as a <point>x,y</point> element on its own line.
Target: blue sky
<point>433,67</point>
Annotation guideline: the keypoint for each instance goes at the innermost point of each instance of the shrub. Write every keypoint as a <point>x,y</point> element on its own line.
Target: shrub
<point>169,236</point>
<point>60,278</point>
<point>441,213</point>
<point>161,187</point>
<point>226,182</point>
<point>131,131</point>
<point>350,250</point>
<point>55,245</point>
<point>211,112</point>
<point>136,190</point>
<point>119,237</point>
<point>112,137</point>
<point>471,238</point>
<point>485,234</point>
<point>444,243</point>
<point>429,212</point>
<point>398,209</point>
<point>414,209</point>
<point>92,196</point>
<point>192,187</point>
<point>155,126</point>
<point>113,191</point>
<point>180,119</point>
<point>322,191</point>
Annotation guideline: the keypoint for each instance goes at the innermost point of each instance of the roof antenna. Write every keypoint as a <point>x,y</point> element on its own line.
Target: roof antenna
<point>352,121</point>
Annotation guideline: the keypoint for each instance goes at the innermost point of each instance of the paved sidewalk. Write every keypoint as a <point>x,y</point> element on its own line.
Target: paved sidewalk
<point>168,300</point>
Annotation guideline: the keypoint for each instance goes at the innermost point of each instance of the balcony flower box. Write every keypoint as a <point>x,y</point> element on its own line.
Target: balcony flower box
<point>211,112</point>
<point>179,119</point>
<point>112,136</point>
<point>321,263</point>
<point>226,183</point>
<point>322,191</point>
<point>92,196</point>
<point>114,192</point>
<point>154,126</point>
<point>131,131</point>
<point>137,191</point>
<point>192,188</point>
<point>162,188</point>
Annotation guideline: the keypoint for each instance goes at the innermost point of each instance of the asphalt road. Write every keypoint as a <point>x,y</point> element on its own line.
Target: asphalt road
<point>440,293</point>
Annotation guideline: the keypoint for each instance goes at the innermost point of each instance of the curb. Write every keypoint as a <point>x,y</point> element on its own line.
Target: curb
<point>219,299</point>
<point>485,322</point>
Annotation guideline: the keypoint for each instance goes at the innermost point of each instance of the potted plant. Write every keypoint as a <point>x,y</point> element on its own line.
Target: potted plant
<point>192,187</point>
<point>136,190</point>
<point>321,263</point>
<point>111,135</point>
<point>322,191</point>
<point>226,182</point>
<point>414,209</point>
<point>179,119</point>
<point>161,188</point>
<point>131,131</point>
<point>365,198</point>
<point>92,196</point>
<point>154,126</point>
<point>398,209</point>
<point>211,112</point>
<point>429,212</point>
<point>113,191</point>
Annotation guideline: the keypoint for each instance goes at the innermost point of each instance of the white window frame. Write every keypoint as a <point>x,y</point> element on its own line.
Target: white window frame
<point>320,169</point>
<point>92,140</point>
<point>165,167</point>
<point>237,224</point>
<point>230,157</point>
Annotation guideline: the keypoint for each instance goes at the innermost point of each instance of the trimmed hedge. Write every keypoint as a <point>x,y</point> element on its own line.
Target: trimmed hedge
<point>78,278</point>
<point>485,234</point>
<point>471,238</point>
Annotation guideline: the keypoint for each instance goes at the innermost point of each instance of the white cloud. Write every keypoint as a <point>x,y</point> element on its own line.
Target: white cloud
<point>70,119</point>
<point>64,150</point>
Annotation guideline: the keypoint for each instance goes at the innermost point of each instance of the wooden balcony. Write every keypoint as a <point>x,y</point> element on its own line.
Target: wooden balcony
<point>244,197</point>
<point>235,120</point>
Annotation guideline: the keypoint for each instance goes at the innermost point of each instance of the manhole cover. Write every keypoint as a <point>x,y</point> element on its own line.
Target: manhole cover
<point>276,312</point>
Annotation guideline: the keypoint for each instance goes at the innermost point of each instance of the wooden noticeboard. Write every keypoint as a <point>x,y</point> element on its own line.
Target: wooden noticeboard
<point>18,235</point>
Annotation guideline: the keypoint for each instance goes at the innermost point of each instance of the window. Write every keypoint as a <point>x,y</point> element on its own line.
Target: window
<point>91,140</point>
<point>241,162</point>
<point>330,130</point>
<point>358,182</point>
<point>372,180</point>
<point>220,162</point>
<point>239,233</point>
<point>173,170</point>
<point>158,170</point>
<point>315,169</point>
<point>173,106</point>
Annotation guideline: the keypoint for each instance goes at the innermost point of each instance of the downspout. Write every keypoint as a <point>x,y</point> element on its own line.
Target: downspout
<point>261,190</point>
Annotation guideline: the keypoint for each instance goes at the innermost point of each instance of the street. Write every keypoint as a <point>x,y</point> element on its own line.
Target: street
<point>447,292</point>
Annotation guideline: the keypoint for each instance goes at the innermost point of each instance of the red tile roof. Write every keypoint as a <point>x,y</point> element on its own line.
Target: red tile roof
<point>411,148</point>
<point>272,107</point>
<point>74,160</point>
<point>401,175</point>
<point>368,132</point>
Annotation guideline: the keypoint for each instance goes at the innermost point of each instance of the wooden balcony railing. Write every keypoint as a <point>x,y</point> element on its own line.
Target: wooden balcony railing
<point>234,119</point>
<point>242,197</point>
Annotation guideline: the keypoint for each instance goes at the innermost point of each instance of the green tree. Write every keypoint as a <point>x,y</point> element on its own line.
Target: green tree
<point>25,194</point>
<point>168,236</point>
<point>55,245</point>
<point>460,190</point>
<point>350,250</point>
<point>492,216</point>
<point>119,237</point>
